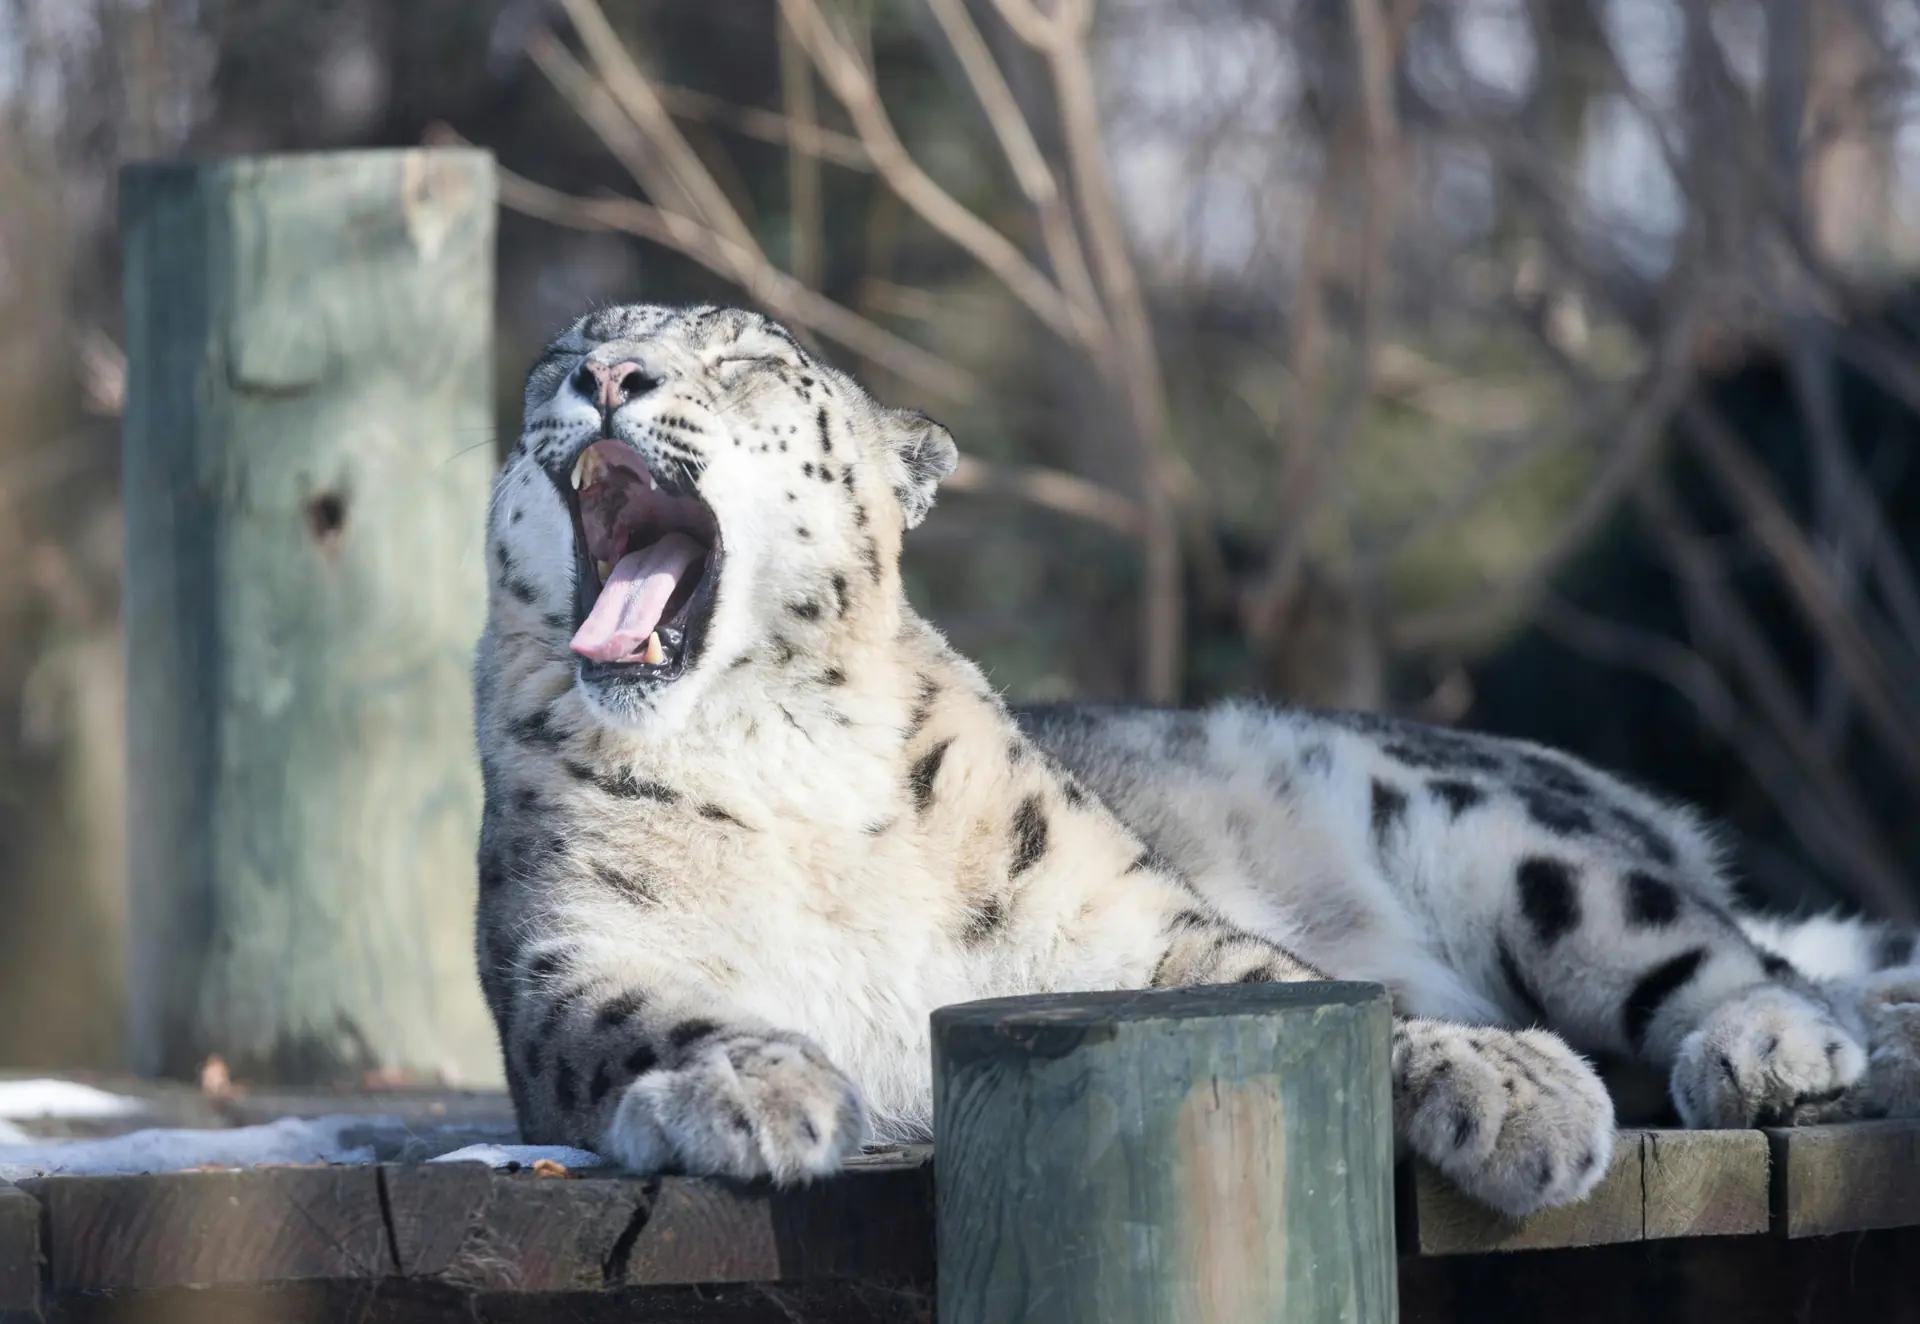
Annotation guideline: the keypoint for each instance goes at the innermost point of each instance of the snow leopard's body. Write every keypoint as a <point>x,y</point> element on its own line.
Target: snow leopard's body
<point>715,912</point>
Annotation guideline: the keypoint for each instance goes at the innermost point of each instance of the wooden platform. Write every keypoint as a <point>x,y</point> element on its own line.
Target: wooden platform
<point>1801,1225</point>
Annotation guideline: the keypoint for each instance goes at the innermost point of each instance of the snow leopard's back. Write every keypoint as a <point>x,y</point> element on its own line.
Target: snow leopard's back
<point>1384,849</point>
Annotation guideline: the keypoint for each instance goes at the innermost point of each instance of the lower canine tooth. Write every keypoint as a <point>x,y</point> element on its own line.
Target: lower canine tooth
<point>654,655</point>
<point>604,567</point>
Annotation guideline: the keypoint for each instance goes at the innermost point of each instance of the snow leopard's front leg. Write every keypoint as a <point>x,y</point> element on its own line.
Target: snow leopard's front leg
<point>1516,1119</point>
<point>640,1065</point>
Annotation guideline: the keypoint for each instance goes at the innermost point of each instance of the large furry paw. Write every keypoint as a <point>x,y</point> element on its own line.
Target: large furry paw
<point>1768,1057</point>
<point>1516,1119</point>
<point>744,1105</point>
<point>1883,1012</point>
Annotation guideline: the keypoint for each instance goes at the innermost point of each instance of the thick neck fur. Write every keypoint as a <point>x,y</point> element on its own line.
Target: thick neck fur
<point>821,724</point>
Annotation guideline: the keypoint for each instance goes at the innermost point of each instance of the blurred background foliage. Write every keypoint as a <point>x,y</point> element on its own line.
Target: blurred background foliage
<point>1544,366</point>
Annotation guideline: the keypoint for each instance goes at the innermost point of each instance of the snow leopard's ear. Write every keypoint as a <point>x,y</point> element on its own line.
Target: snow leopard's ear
<point>919,453</point>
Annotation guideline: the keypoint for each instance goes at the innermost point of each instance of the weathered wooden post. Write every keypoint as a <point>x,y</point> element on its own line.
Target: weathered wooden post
<point>1184,1156</point>
<point>306,469</point>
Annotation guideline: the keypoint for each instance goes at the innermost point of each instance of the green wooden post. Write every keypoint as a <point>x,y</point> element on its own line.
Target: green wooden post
<point>306,464</point>
<point>1183,1156</point>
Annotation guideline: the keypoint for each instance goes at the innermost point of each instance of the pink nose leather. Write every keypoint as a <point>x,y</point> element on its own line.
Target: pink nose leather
<point>616,383</point>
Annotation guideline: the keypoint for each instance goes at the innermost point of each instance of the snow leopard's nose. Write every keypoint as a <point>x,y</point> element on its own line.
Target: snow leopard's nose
<point>610,385</point>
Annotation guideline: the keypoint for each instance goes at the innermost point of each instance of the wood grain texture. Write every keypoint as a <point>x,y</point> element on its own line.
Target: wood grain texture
<point>1661,1185</point>
<point>1845,1178</point>
<point>481,1231</point>
<point>1438,1220</point>
<point>1867,1278</point>
<point>488,1231</point>
<point>1182,1156</point>
<point>197,1229</point>
<point>306,466</point>
<point>1705,1183</point>
<point>20,1257</point>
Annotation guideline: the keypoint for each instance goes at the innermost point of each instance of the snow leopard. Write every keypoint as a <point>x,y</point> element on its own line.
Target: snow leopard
<point>749,819</point>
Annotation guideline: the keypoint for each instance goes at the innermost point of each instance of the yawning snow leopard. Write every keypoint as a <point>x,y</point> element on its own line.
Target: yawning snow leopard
<point>749,819</point>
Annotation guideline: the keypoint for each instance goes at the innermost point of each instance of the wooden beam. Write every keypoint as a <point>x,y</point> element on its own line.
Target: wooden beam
<point>21,1261</point>
<point>1438,1220</point>
<point>1705,1183</point>
<point>1206,1154</point>
<point>1661,1185</point>
<point>1845,1178</point>
<point>307,457</point>
<point>198,1229</point>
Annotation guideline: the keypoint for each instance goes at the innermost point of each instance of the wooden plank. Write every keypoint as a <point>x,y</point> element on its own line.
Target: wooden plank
<point>400,1301</point>
<point>1181,1154</point>
<point>191,1229</point>
<point>21,1263</point>
<point>1436,1219</point>
<point>873,1223</point>
<point>309,390</point>
<point>1662,1184</point>
<point>1845,1178</point>
<point>1866,1278</point>
<point>1705,1183</point>
<point>483,1231</point>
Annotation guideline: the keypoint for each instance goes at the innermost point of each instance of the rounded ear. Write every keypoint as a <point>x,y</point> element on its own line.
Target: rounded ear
<point>919,454</point>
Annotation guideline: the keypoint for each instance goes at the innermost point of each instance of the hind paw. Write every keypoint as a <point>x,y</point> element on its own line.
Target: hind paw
<point>1516,1119</point>
<point>1883,1010</point>
<point>1769,1057</point>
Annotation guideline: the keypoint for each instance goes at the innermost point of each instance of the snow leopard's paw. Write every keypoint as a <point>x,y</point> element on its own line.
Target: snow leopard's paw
<point>1516,1119</point>
<point>1767,1057</point>
<point>1883,1012</point>
<point>746,1105</point>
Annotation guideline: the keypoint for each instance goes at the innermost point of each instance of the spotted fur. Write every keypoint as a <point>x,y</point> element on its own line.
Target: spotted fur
<point>715,913</point>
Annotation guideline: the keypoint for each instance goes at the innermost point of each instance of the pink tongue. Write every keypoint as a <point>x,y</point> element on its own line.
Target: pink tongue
<point>630,606</point>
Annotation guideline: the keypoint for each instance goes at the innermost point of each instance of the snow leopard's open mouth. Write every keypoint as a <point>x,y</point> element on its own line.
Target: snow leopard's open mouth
<point>646,562</point>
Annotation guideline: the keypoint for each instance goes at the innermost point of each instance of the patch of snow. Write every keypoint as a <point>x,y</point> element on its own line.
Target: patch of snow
<point>289,1140</point>
<point>524,1156</point>
<point>62,1098</point>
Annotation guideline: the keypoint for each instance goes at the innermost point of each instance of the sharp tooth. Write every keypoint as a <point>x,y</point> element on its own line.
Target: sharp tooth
<point>586,469</point>
<point>604,567</point>
<point>655,654</point>
<point>653,483</point>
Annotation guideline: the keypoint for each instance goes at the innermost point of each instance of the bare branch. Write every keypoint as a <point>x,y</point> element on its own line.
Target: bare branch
<point>635,95</point>
<point>773,289</point>
<point>806,221</point>
<point>1313,456</point>
<point>594,104</point>
<point>1704,587</point>
<point>1662,387</point>
<point>807,138</point>
<point>852,85</point>
<point>1823,813</point>
<point>1029,24</point>
<point>1030,168</point>
<point>1057,491</point>
<point>1162,624</point>
<point>1810,587</point>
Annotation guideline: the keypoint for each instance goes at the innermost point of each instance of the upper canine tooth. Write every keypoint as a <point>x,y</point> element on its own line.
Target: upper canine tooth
<point>586,469</point>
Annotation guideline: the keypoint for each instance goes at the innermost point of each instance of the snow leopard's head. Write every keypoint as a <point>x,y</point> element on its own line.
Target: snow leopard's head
<point>693,488</point>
